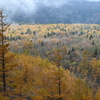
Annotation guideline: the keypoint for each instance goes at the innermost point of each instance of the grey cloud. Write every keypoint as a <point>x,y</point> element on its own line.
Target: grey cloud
<point>28,6</point>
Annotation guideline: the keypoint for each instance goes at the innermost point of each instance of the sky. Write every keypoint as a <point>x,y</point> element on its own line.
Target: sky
<point>93,0</point>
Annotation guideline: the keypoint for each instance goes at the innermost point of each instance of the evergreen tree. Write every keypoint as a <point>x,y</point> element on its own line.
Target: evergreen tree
<point>42,44</point>
<point>95,53</point>
<point>93,43</point>
<point>72,49</point>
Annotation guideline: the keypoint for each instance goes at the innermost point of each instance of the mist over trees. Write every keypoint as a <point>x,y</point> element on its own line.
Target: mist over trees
<point>41,61</point>
<point>73,11</point>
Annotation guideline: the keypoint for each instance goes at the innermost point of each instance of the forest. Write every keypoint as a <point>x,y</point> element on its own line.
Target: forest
<point>49,61</point>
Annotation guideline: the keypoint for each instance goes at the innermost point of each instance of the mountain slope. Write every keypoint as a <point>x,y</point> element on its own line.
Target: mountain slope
<point>73,12</point>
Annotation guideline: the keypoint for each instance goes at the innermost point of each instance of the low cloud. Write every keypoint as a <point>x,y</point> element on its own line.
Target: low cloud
<point>28,7</point>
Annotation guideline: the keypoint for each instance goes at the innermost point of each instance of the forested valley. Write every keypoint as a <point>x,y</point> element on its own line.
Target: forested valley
<point>50,62</point>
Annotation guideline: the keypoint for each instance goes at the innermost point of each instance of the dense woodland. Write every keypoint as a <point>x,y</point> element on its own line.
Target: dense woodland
<point>50,62</point>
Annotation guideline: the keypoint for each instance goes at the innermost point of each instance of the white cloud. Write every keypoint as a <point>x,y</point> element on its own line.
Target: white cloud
<point>28,5</point>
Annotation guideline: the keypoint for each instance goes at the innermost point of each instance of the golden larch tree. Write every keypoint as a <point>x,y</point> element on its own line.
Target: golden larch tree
<point>5,56</point>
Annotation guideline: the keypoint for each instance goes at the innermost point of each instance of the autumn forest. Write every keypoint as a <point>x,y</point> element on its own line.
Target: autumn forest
<point>49,61</point>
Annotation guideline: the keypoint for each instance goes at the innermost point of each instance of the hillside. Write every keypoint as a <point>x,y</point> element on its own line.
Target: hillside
<point>51,51</point>
<point>72,12</point>
<point>53,61</point>
<point>41,39</point>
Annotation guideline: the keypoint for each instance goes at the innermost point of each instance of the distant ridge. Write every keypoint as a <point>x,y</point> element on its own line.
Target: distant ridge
<point>75,12</point>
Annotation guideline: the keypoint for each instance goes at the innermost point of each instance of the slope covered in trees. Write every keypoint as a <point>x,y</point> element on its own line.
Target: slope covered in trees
<point>54,62</point>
